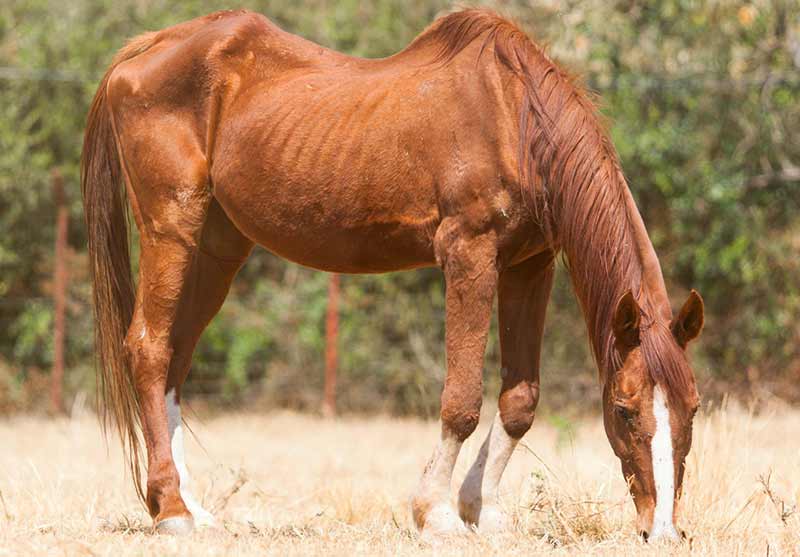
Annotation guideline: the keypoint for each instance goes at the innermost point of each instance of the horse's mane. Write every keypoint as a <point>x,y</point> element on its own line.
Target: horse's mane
<point>572,180</point>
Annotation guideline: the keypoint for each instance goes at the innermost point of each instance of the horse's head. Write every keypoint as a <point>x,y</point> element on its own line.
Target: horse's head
<point>649,402</point>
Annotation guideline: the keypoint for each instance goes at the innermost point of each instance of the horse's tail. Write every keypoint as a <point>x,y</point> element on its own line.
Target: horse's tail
<point>107,223</point>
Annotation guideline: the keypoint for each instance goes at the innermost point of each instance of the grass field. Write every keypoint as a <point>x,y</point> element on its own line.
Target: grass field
<point>289,484</point>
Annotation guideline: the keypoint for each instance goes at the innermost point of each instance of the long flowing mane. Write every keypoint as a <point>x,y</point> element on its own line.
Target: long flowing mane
<point>574,185</point>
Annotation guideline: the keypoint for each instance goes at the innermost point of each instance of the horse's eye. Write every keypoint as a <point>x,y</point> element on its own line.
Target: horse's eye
<point>624,413</point>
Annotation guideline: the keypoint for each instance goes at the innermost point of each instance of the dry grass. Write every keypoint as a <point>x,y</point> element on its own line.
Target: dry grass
<point>296,485</point>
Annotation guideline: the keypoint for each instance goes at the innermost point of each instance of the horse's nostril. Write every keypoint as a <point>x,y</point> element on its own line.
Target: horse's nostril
<point>644,534</point>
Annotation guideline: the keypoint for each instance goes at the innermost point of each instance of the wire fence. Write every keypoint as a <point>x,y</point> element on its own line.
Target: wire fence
<point>707,79</point>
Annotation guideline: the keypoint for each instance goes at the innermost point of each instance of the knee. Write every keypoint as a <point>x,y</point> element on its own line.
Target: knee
<point>518,407</point>
<point>461,409</point>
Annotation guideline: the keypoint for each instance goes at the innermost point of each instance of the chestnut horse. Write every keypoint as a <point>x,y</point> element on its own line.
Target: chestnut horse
<point>470,150</point>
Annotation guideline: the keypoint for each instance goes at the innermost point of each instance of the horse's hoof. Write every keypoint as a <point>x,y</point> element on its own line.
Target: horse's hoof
<point>442,521</point>
<point>175,526</point>
<point>492,520</point>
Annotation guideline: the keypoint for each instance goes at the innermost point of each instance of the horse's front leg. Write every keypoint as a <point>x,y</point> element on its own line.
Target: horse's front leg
<point>469,265</point>
<point>523,293</point>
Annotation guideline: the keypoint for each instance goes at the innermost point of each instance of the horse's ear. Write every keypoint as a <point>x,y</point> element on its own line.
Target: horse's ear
<point>626,321</point>
<point>689,322</point>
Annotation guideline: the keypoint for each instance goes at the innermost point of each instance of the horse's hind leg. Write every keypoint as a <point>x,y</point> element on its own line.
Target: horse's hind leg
<point>221,252</point>
<point>523,293</point>
<point>171,198</point>
<point>164,266</point>
<point>470,271</point>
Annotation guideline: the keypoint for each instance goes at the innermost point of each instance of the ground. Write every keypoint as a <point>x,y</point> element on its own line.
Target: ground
<point>288,484</point>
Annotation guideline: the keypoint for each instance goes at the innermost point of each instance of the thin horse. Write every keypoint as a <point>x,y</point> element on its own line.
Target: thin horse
<point>470,150</point>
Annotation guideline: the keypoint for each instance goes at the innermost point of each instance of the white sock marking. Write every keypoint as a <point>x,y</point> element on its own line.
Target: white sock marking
<point>440,472</point>
<point>435,487</point>
<point>663,469</point>
<point>201,516</point>
<point>480,488</point>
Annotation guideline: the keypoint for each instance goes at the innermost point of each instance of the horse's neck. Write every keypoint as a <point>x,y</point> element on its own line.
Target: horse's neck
<point>614,256</point>
<point>654,291</point>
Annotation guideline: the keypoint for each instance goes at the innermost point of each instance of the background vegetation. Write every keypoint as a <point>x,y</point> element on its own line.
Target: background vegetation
<point>704,100</point>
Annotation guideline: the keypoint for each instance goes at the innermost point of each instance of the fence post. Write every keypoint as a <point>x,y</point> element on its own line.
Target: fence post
<point>331,347</point>
<point>59,294</point>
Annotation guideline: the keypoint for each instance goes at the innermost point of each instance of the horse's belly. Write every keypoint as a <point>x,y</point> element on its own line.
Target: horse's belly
<point>329,232</point>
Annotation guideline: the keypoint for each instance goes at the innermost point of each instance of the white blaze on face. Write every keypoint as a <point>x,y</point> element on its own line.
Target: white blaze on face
<point>201,516</point>
<point>663,469</point>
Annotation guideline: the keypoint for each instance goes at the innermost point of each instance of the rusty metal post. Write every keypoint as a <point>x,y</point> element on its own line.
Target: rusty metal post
<point>331,347</point>
<point>59,294</point>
